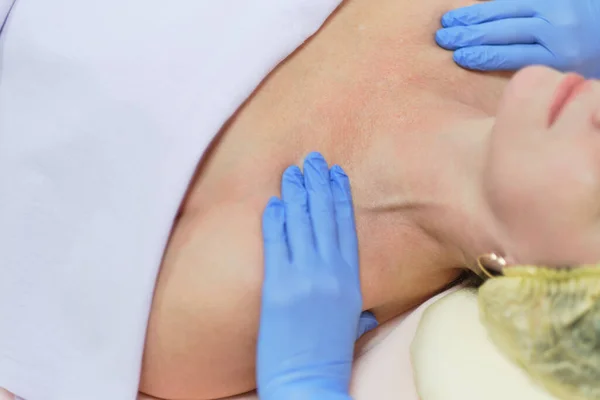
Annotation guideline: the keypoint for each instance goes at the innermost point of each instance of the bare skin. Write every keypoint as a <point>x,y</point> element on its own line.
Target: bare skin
<point>438,175</point>
<point>535,193</point>
<point>373,93</point>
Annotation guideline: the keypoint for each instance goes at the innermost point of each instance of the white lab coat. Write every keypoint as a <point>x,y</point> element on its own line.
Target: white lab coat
<point>105,110</point>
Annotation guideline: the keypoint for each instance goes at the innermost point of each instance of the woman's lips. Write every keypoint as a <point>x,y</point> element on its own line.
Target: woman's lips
<point>567,90</point>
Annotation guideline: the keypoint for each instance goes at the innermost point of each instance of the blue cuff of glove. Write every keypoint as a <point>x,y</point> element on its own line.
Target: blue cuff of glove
<point>305,393</point>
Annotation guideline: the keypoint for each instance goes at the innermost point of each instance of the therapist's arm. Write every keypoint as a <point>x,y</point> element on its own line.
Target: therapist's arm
<point>311,304</point>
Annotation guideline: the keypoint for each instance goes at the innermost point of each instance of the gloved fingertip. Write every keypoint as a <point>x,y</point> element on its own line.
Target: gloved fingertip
<point>273,221</point>
<point>274,206</point>
<point>317,161</point>
<point>459,56</point>
<point>338,171</point>
<point>341,184</point>
<point>315,155</point>
<point>316,174</point>
<point>293,171</point>
<point>293,174</point>
<point>442,38</point>
<point>293,190</point>
<point>273,214</point>
<point>467,59</point>
<point>448,20</point>
<point>454,18</point>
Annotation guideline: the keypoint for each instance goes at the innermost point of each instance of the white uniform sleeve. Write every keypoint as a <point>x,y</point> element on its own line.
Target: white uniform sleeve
<point>105,110</point>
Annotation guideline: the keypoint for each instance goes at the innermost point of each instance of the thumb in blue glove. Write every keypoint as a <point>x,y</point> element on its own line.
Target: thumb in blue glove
<point>311,303</point>
<point>366,323</point>
<point>512,34</point>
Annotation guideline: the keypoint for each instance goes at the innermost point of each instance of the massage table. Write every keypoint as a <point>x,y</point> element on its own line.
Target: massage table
<point>383,369</point>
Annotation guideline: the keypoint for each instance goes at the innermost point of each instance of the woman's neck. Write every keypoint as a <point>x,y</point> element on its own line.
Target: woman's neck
<point>420,210</point>
<point>445,197</point>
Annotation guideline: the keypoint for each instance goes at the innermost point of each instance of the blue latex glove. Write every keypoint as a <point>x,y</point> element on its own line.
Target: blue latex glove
<point>511,34</point>
<point>311,303</point>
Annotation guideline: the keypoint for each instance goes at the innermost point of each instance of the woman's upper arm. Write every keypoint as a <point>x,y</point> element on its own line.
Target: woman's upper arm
<point>201,339</point>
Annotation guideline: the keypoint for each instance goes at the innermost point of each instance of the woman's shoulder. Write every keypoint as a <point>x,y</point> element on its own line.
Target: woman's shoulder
<point>6,395</point>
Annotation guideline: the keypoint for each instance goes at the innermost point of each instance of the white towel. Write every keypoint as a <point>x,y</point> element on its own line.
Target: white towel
<point>105,110</point>
<point>5,6</point>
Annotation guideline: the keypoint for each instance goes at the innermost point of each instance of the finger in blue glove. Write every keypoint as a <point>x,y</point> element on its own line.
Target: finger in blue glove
<point>501,58</point>
<point>367,323</point>
<point>502,32</point>
<point>487,12</point>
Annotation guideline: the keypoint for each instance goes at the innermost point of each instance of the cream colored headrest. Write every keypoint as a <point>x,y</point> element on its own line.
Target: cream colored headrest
<point>453,358</point>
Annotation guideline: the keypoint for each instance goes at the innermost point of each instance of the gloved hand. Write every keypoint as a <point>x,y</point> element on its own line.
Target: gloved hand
<point>311,301</point>
<point>511,34</point>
